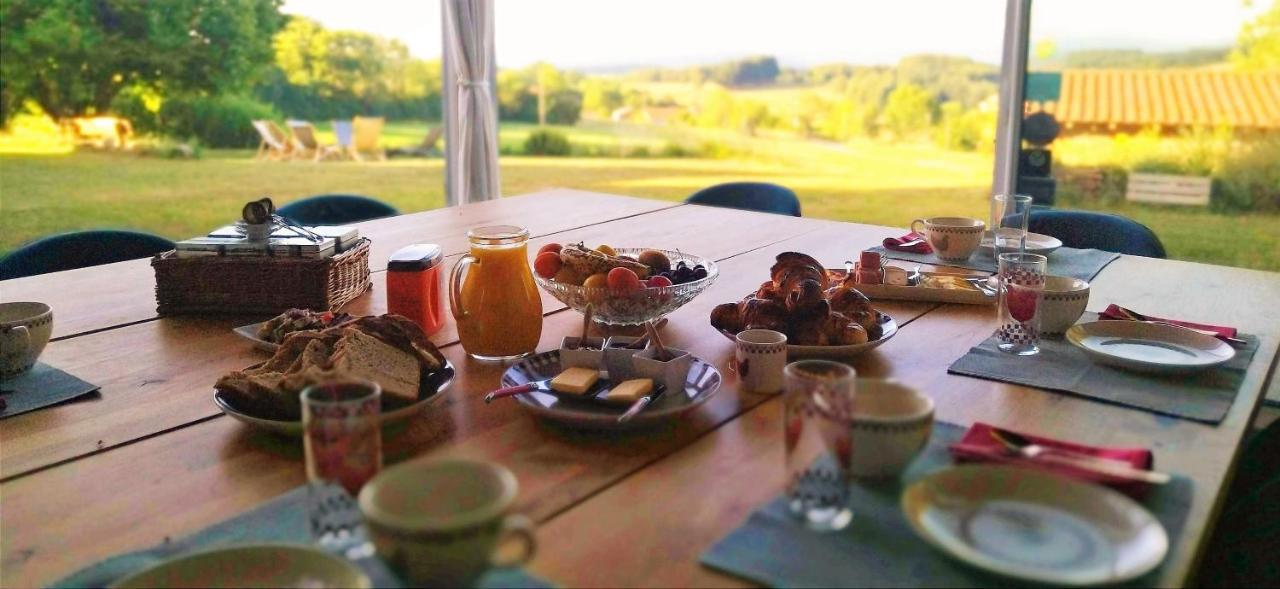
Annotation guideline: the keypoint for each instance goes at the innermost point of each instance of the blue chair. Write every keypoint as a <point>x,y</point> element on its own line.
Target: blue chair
<point>335,209</point>
<point>1084,229</point>
<point>81,249</point>
<point>751,196</point>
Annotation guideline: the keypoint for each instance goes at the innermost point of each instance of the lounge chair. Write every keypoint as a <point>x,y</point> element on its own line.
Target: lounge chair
<point>275,142</point>
<point>344,135</point>
<point>367,131</point>
<point>428,148</point>
<point>305,143</point>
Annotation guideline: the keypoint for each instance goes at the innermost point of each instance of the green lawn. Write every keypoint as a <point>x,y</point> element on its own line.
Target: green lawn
<point>866,182</point>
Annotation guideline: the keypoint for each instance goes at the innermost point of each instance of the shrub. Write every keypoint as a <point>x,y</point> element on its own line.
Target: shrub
<point>217,121</point>
<point>672,149</point>
<point>547,142</point>
<point>638,152</point>
<point>1250,180</point>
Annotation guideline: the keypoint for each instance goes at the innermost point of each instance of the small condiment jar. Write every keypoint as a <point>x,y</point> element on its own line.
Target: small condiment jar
<point>414,285</point>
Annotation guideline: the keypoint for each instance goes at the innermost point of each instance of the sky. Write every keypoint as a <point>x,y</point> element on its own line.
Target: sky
<point>614,34</point>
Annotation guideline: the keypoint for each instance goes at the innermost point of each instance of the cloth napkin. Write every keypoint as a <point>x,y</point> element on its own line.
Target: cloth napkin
<point>895,243</point>
<point>978,445</point>
<point>1118,313</point>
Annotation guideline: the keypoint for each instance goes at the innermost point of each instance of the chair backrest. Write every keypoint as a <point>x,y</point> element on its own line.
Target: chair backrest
<point>304,133</point>
<point>367,132</point>
<point>752,196</point>
<point>432,138</point>
<point>81,249</point>
<point>342,133</point>
<point>282,137</point>
<point>268,136</point>
<point>336,209</point>
<point>1104,231</point>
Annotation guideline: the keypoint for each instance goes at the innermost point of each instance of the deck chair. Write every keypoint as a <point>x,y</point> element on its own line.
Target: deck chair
<point>366,132</point>
<point>275,142</point>
<point>345,137</point>
<point>429,146</point>
<point>305,143</point>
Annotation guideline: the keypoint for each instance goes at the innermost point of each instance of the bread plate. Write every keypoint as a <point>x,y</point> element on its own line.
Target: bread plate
<point>888,328</point>
<point>1036,244</point>
<point>251,565</point>
<point>430,390</point>
<point>1149,347</point>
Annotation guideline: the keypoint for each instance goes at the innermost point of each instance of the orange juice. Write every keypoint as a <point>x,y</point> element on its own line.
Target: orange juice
<point>494,298</point>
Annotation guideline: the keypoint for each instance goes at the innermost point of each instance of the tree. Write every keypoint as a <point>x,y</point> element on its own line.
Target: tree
<point>1258,45</point>
<point>909,110</point>
<point>601,96</point>
<point>73,56</point>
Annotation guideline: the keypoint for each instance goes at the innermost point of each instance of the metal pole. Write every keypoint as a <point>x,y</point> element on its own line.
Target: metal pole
<point>1013,76</point>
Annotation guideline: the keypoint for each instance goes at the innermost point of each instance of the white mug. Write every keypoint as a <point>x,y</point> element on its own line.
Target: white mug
<point>953,239</point>
<point>24,330</point>
<point>760,356</point>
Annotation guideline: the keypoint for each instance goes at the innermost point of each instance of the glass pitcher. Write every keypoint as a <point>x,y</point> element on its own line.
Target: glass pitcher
<point>495,301</point>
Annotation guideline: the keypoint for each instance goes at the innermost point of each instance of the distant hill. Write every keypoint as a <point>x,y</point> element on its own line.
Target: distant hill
<point>1134,59</point>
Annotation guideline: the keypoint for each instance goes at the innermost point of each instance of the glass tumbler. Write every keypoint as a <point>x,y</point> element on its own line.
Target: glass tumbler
<point>1010,214</point>
<point>818,416</point>
<point>342,440</point>
<point>1021,291</point>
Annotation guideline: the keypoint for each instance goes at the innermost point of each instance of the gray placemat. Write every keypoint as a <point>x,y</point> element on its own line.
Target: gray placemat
<point>38,388</point>
<point>1060,366</point>
<point>1065,261</point>
<point>879,548</point>
<point>281,519</point>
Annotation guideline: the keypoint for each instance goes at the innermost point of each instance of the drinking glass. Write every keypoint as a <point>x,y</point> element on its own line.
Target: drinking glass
<point>819,409</point>
<point>1021,290</point>
<point>1010,214</point>
<point>342,440</point>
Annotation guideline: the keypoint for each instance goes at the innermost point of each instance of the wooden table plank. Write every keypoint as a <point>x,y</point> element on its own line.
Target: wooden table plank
<point>182,357</point>
<point>102,297</point>
<point>209,471</point>
<point>661,546</point>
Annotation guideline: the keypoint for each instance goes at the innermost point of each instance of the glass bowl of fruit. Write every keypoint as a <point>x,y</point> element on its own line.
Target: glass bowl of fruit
<point>625,286</point>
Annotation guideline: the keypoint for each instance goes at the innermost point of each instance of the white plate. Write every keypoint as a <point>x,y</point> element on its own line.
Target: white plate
<point>426,398</point>
<point>888,326</point>
<point>1036,243</point>
<point>702,383</point>
<point>252,565</point>
<point>250,332</point>
<point>1149,347</point>
<point>1035,526</point>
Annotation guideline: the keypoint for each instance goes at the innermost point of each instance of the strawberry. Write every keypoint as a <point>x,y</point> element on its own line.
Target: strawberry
<point>1021,301</point>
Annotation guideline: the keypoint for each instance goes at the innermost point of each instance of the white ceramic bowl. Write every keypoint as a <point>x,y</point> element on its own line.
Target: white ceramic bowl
<point>1064,301</point>
<point>891,424</point>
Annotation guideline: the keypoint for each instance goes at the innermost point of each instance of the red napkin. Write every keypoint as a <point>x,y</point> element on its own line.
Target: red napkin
<point>978,445</point>
<point>896,244</point>
<point>1118,313</point>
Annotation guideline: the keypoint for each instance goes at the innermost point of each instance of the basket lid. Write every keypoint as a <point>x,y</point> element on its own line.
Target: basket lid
<point>419,256</point>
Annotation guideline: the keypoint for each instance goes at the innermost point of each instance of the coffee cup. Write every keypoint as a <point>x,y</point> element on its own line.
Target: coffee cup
<point>1062,303</point>
<point>953,239</point>
<point>438,523</point>
<point>25,328</point>
<point>759,358</point>
<point>891,424</point>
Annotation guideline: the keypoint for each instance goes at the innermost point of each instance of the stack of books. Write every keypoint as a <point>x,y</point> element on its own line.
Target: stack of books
<point>285,241</point>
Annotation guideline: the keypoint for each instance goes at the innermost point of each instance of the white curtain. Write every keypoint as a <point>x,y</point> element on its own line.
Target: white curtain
<point>471,111</point>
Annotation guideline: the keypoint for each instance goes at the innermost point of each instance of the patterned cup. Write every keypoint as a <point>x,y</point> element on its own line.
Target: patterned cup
<point>24,330</point>
<point>891,424</point>
<point>1063,302</point>
<point>759,359</point>
<point>953,239</point>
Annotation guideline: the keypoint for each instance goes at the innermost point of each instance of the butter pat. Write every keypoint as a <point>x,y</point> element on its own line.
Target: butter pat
<point>895,276</point>
<point>575,381</point>
<point>630,390</point>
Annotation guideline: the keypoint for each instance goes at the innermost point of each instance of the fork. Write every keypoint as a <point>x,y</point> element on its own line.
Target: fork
<point>1033,451</point>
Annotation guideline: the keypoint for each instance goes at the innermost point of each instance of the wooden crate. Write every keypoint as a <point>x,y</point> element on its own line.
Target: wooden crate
<point>1169,189</point>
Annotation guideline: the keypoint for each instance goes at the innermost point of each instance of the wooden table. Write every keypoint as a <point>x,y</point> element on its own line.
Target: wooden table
<point>152,458</point>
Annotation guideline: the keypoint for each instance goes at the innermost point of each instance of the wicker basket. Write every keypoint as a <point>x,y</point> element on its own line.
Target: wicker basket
<point>259,285</point>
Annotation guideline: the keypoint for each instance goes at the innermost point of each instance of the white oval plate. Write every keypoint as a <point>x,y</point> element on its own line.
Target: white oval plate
<point>887,325</point>
<point>1036,243</point>
<point>252,565</point>
<point>702,383</point>
<point>250,332</point>
<point>1149,347</point>
<point>1035,526</point>
<point>426,398</point>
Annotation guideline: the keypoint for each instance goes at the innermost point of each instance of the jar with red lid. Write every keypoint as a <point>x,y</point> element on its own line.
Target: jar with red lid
<point>414,285</point>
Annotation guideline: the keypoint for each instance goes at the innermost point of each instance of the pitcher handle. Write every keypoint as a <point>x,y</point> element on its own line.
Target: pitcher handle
<point>455,285</point>
<point>919,231</point>
<point>520,528</point>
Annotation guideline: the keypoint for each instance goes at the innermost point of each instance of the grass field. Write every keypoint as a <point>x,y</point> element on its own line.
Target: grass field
<point>866,182</point>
